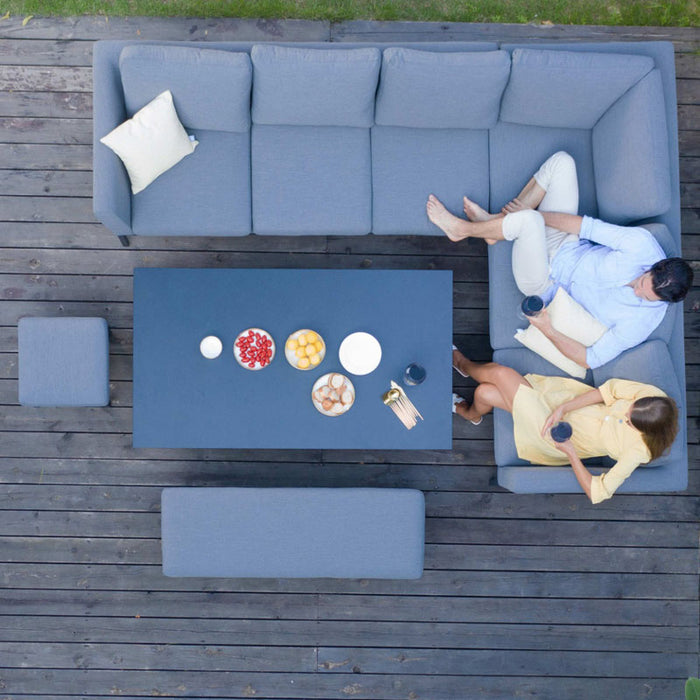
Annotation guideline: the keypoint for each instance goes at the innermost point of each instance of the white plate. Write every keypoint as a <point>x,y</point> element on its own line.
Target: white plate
<point>291,354</point>
<point>337,389</point>
<point>211,347</point>
<point>237,352</point>
<point>360,353</point>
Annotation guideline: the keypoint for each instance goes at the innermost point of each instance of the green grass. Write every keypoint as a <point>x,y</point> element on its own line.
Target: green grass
<point>677,13</point>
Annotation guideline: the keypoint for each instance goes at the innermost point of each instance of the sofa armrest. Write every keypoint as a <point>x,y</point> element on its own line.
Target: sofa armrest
<point>111,192</point>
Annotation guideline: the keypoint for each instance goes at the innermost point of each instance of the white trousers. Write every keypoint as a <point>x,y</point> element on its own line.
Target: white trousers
<point>534,244</point>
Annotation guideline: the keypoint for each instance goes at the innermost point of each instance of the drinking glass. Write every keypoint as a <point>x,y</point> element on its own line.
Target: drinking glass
<point>530,306</point>
<point>414,374</point>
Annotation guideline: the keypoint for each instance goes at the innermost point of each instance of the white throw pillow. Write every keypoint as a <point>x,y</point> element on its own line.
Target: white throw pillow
<point>151,142</point>
<point>571,319</point>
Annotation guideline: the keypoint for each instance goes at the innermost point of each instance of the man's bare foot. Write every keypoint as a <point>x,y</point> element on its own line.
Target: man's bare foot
<point>475,213</point>
<point>455,229</point>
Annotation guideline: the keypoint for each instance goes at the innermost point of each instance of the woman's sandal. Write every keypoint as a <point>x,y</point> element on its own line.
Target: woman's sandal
<point>457,369</point>
<point>458,399</point>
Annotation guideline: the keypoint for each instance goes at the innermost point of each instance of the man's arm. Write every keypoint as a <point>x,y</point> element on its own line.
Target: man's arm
<point>567,346</point>
<point>569,223</point>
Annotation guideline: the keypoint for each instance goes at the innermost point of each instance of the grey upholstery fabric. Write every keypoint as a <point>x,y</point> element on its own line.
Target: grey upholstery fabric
<point>211,88</point>
<point>293,532</point>
<point>569,89</point>
<point>450,90</point>
<point>409,164</point>
<point>63,361</point>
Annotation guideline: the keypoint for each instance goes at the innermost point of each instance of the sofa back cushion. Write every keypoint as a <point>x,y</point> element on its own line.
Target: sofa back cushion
<point>314,87</point>
<point>630,155</point>
<point>649,363</point>
<point>441,90</point>
<point>210,88</point>
<point>567,88</point>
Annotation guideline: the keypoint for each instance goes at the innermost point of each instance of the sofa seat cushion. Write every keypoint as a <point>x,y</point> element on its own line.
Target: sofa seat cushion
<point>311,180</point>
<point>568,88</point>
<point>524,361</point>
<point>630,154</point>
<point>205,194</point>
<point>211,89</point>
<point>649,363</point>
<point>441,90</point>
<point>410,164</point>
<point>516,152</point>
<point>314,87</point>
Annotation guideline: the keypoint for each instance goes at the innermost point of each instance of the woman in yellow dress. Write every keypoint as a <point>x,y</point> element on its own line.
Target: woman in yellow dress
<point>631,422</point>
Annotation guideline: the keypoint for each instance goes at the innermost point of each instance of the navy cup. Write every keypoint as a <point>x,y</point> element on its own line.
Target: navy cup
<point>561,432</point>
<point>532,305</point>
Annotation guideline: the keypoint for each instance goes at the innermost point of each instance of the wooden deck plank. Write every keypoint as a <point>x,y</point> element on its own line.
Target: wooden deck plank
<point>437,635</point>
<point>540,596</point>
<point>147,577</point>
<point>311,606</point>
<point>87,28</point>
<point>454,557</point>
<point>337,686</point>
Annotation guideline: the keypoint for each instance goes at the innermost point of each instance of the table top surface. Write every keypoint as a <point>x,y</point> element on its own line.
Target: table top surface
<point>183,400</point>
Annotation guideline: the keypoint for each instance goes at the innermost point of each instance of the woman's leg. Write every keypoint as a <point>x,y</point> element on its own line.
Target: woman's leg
<point>486,398</point>
<point>497,384</point>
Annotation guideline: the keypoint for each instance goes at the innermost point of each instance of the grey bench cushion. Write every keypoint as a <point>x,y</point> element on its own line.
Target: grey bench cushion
<point>293,532</point>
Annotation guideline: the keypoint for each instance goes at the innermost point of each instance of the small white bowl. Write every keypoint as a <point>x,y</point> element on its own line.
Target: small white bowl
<point>211,347</point>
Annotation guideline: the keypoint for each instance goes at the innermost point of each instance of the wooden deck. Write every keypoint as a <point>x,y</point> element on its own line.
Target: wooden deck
<point>523,596</point>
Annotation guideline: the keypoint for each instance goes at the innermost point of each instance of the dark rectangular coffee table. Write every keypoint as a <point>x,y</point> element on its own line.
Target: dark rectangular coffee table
<point>182,399</point>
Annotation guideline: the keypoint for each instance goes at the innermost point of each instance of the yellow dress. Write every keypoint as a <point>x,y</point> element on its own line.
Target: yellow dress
<point>598,430</point>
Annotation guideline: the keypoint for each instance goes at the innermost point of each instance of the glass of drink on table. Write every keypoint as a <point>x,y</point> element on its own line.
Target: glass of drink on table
<point>414,374</point>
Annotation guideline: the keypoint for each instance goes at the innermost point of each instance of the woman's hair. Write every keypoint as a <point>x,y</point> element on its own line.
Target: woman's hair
<point>656,417</point>
<point>671,279</point>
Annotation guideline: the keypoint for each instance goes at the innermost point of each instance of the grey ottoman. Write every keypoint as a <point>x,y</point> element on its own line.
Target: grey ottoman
<point>63,361</point>
<point>293,532</point>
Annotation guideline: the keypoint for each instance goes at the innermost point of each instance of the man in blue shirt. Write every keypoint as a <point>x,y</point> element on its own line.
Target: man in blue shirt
<point>619,274</point>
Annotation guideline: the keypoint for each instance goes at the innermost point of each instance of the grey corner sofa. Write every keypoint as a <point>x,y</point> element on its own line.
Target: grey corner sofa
<point>351,140</point>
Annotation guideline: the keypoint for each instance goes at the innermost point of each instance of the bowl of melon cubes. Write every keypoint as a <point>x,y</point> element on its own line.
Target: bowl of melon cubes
<point>305,349</point>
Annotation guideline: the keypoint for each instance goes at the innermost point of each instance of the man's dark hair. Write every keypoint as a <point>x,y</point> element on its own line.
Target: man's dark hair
<point>671,279</point>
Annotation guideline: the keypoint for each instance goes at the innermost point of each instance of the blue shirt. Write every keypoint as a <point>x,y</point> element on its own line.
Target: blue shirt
<point>595,271</point>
